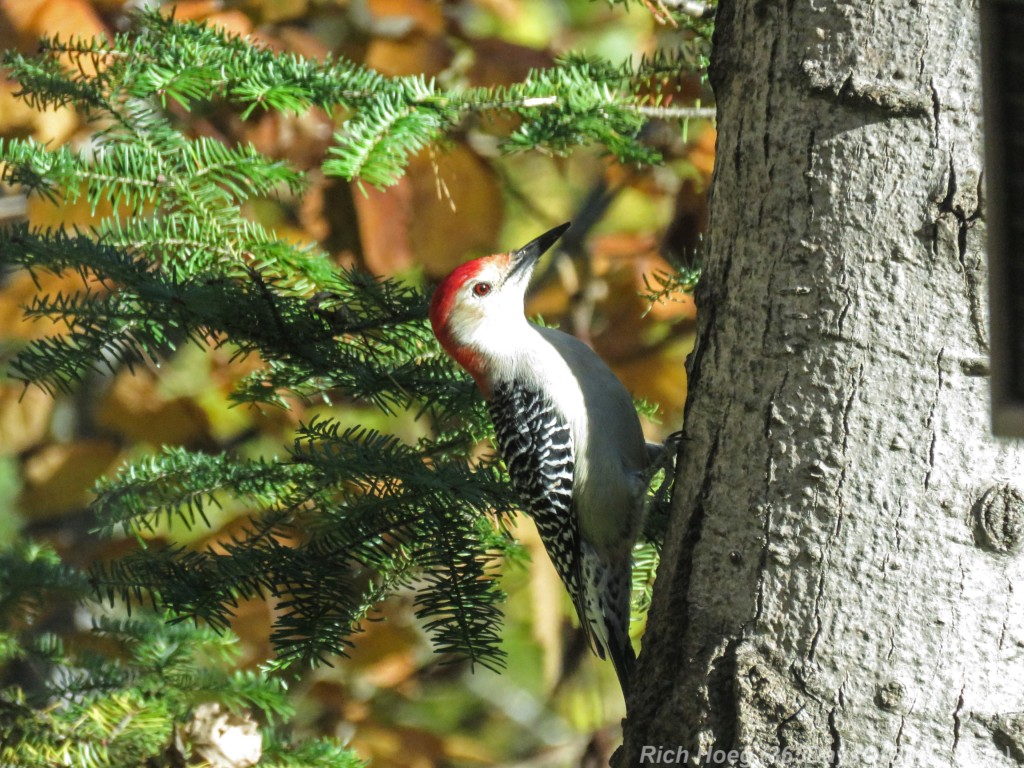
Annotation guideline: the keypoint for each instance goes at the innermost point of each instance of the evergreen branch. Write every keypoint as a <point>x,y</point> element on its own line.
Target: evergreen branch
<point>662,286</point>
<point>349,516</point>
<point>118,698</point>
<point>392,118</point>
<point>185,582</point>
<point>179,484</point>
<point>376,529</point>
<point>364,336</point>
<point>31,576</point>
<point>459,600</point>
<point>242,171</point>
<point>119,173</point>
<point>58,363</point>
<point>319,612</point>
<point>311,754</point>
<point>45,83</point>
<point>376,145</point>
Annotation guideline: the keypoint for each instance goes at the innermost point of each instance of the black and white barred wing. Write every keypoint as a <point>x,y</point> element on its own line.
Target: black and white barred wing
<point>536,444</point>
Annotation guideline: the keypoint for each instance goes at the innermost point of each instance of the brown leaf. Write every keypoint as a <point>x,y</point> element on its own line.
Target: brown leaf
<point>136,409</point>
<point>276,11</point>
<point>300,139</point>
<point>447,208</point>
<point>58,478</point>
<point>32,19</point>
<point>456,208</point>
<point>499,62</point>
<point>422,15</point>
<point>383,217</point>
<point>24,417</point>
<point>19,293</point>
<point>411,55</point>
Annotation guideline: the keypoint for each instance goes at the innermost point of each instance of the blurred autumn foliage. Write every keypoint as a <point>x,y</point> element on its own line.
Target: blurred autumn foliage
<point>391,701</point>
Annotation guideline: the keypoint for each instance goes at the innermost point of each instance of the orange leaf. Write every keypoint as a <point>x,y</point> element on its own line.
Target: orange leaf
<point>232,22</point>
<point>659,377</point>
<point>387,653</point>
<point>396,746</point>
<point>276,11</point>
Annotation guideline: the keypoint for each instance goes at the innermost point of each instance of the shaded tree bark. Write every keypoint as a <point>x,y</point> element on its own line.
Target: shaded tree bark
<point>841,577</point>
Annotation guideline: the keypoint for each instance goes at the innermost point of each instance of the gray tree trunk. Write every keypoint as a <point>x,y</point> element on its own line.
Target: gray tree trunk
<point>842,576</point>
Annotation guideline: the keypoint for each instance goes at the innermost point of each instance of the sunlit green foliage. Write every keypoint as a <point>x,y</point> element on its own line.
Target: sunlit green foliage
<point>119,699</point>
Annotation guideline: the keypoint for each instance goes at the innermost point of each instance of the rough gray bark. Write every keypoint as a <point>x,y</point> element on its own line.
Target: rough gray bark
<point>842,574</point>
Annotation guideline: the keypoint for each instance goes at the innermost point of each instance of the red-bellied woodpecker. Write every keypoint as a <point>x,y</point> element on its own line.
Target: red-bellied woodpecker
<point>567,430</point>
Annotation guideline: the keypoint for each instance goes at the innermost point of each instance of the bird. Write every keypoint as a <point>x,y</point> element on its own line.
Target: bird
<point>567,430</point>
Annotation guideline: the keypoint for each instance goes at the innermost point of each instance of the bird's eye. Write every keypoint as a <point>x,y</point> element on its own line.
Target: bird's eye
<point>481,289</point>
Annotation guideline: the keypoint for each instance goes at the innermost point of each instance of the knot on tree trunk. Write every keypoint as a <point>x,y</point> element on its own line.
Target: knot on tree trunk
<point>999,519</point>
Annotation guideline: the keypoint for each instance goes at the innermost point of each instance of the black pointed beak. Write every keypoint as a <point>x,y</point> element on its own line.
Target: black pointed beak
<point>526,257</point>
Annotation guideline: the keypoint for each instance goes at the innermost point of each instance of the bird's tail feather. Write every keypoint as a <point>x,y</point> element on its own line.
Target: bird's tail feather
<point>606,612</point>
<point>624,660</point>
